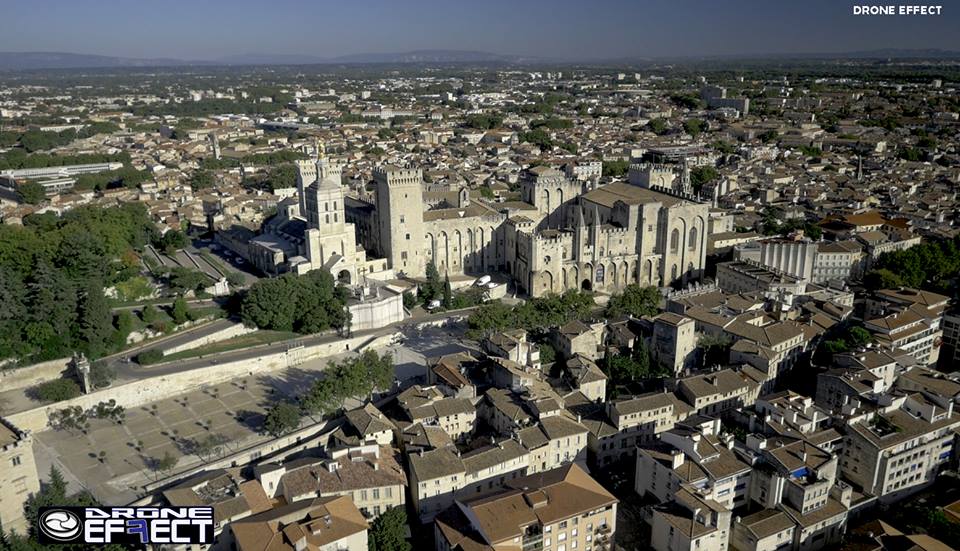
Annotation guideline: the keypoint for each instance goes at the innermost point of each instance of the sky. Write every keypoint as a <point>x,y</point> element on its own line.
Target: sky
<point>558,29</point>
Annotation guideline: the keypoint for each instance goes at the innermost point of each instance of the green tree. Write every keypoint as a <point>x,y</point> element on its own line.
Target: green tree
<point>282,176</point>
<point>150,356</point>
<point>149,314</point>
<point>57,390</point>
<point>447,292</point>
<point>693,127</point>
<point>180,311</point>
<point>281,419</point>
<point>634,300</point>
<point>431,288</point>
<point>702,175</point>
<point>95,321</point>
<point>184,279</point>
<point>615,169</point>
<point>202,180</point>
<point>858,336</point>
<point>657,126</point>
<point>388,531</point>
<point>31,192</point>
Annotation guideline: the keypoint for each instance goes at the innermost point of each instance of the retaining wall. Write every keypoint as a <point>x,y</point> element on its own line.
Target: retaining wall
<point>31,375</point>
<point>161,387</point>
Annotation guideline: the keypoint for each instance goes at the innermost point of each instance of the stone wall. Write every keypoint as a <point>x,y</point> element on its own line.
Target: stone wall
<point>145,391</point>
<point>32,375</point>
<point>228,332</point>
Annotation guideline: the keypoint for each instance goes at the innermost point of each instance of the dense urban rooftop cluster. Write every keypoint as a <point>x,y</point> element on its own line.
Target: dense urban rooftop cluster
<point>687,308</point>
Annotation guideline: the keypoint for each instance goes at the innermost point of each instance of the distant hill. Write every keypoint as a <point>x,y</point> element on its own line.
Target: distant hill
<point>62,60</point>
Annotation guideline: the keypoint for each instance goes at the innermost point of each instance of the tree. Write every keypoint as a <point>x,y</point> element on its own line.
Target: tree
<point>102,374</point>
<point>447,292</point>
<point>124,326</point>
<point>636,301</point>
<point>166,463</point>
<point>180,311</point>
<point>702,175</point>
<point>281,419</point>
<point>693,127</point>
<point>202,179</point>
<point>627,368</point>
<point>388,531</point>
<point>184,279</point>
<point>615,169</point>
<point>307,304</point>
<point>54,493</point>
<point>657,126</point>
<point>858,336</point>
<point>235,279</point>
<point>148,314</point>
<point>150,356</point>
<point>430,289</point>
<point>172,241</point>
<point>282,176</point>
<point>31,192</point>
<point>57,390</point>
<point>95,320</point>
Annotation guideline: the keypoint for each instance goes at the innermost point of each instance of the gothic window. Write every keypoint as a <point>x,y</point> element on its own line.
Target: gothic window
<point>674,240</point>
<point>692,241</point>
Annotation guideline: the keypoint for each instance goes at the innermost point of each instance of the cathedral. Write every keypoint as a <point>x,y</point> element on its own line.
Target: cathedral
<point>312,232</point>
<point>562,233</point>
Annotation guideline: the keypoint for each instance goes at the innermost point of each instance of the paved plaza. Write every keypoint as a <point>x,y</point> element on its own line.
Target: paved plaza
<point>114,460</point>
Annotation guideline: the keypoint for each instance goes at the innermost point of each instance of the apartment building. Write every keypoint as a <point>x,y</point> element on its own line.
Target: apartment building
<point>618,426</point>
<point>231,497</point>
<point>438,476</point>
<point>513,345</point>
<point>799,478</point>
<point>720,391</point>
<point>902,447</point>
<point>582,374</point>
<point>908,319</point>
<point>554,441</point>
<point>429,405</point>
<point>362,425</point>
<point>742,277</point>
<point>18,475</point>
<point>325,524</point>
<point>562,509</point>
<point>695,458</point>
<point>690,522</point>
<point>836,260</point>
<point>370,475</point>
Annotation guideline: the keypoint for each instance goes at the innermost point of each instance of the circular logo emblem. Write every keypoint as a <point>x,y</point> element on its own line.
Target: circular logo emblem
<point>60,525</point>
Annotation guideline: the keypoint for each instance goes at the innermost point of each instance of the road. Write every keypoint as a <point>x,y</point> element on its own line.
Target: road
<point>128,370</point>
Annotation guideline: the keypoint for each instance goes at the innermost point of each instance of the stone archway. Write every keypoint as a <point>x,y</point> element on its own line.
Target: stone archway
<point>343,277</point>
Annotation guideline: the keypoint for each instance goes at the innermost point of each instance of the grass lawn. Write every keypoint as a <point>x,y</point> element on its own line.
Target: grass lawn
<point>243,341</point>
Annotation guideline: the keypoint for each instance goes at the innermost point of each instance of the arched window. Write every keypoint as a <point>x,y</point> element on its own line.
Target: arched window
<point>692,241</point>
<point>674,240</point>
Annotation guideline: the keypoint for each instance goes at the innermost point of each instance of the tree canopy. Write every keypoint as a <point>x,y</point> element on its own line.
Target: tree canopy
<point>536,313</point>
<point>636,301</point>
<point>388,532</point>
<point>310,303</point>
<point>52,274</point>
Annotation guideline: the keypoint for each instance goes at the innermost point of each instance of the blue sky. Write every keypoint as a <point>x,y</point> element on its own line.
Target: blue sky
<point>565,29</point>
